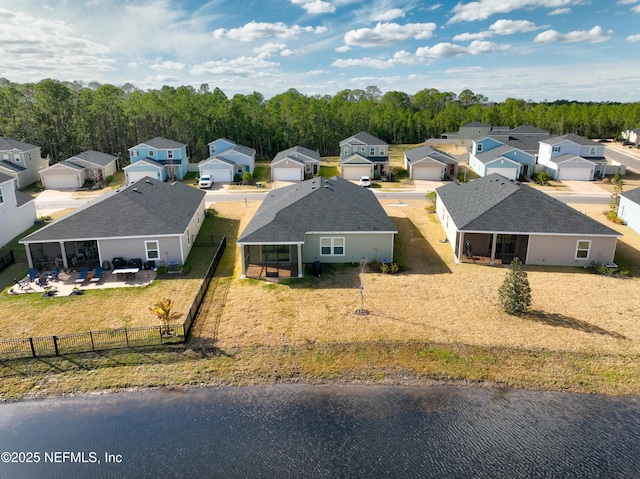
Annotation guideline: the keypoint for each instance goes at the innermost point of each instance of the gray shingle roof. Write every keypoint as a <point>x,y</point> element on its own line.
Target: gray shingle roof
<point>72,165</point>
<point>8,144</point>
<point>156,208</point>
<point>23,198</point>
<point>633,195</point>
<point>12,166</point>
<point>295,152</point>
<point>475,124</point>
<point>320,204</point>
<point>95,157</point>
<point>527,130</point>
<point>496,204</point>
<point>495,153</point>
<point>365,138</point>
<point>417,154</point>
<point>162,143</point>
<point>4,177</point>
<point>571,137</point>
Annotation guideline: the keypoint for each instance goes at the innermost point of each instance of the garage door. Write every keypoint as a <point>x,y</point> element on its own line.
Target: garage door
<point>219,175</point>
<point>138,175</point>
<point>355,172</point>
<point>425,173</point>
<point>287,174</point>
<point>509,173</point>
<point>581,174</point>
<point>57,182</point>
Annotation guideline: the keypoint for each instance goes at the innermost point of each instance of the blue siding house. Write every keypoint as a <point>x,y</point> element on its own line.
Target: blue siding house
<point>157,158</point>
<point>489,155</point>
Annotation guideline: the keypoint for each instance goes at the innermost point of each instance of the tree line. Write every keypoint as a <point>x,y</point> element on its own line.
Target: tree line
<point>65,118</point>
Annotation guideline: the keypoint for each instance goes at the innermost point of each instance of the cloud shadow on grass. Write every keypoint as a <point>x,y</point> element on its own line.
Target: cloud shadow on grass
<point>562,321</point>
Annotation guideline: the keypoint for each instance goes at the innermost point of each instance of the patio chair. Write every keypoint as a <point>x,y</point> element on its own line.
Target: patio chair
<point>97,275</point>
<point>22,284</point>
<point>54,274</point>
<point>42,281</point>
<point>33,274</point>
<point>83,274</point>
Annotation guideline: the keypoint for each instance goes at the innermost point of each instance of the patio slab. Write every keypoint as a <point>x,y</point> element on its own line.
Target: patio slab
<point>66,283</point>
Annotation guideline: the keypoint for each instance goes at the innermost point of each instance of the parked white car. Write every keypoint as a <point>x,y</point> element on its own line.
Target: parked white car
<point>206,181</point>
<point>365,181</point>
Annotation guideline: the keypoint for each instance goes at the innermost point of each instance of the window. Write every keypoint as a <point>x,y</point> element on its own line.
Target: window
<point>346,151</point>
<point>153,250</point>
<point>332,246</point>
<point>592,151</point>
<point>372,151</point>
<point>556,149</point>
<point>1,197</point>
<point>212,149</point>
<point>151,152</point>
<point>479,147</point>
<point>170,154</point>
<point>135,153</point>
<point>382,152</point>
<point>17,157</point>
<point>582,251</point>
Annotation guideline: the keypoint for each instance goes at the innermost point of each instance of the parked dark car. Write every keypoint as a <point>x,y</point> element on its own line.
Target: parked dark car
<point>118,263</point>
<point>135,263</point>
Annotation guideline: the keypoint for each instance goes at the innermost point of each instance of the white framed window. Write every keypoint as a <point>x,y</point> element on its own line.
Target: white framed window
<point>151,152</point>
<point>479,147</point>
<point>346,151</point>
<point>382,152</point>
<point>135,153</point>
<point>592,151</point>
<point>331,246</point>
<point>582,249</point>
<point>170,154</point>
<point>556,149</point>
<point>153,250</point>
<point>372,151</point>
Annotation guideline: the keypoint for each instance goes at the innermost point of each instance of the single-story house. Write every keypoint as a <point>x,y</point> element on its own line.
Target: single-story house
<point>629,208</point>
<point>326,220</point>
<point>149,219</point>
<point>428,163</point>
<point>294,164</point>
<point>226,160</point>
<point>496,219</point>
<point>17,210</point>
<point>73,172</point>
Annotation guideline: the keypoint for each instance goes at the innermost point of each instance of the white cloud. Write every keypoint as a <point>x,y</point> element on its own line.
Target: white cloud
<point>286,52</point>
<point>626,2</point>
<point>633,38</point>
<point>315,6</point>
<point>467,37</point>
<point>560,11</point>
<point>510,27</point>
<point>636,9</point>
<point>168,65</point>
<point>476,47</point>
<point>434,7</point>
<point>387,15</point>
<point>269,49</point>
<point>318,72</point>
<point>595,35</point>
<point>242,66</point>
<point>253,31</point>
<point>388,34</point>
<point>399,58</point>
<point>343,48</point>
<point>457,71</point>
<point>483,9</point>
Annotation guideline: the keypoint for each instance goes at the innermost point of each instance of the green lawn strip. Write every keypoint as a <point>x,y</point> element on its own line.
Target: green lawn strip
<point>407,363</point>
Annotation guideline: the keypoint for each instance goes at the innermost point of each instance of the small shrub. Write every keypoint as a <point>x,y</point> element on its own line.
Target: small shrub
<point>460,176</point>
<point>386,268</point>
<point>247,178</point>
<point>515,292</point>
<point>606,180</point>
<point>613,216</point>
<point>375,266</point>
<point>109,179</point>
<point>542,178</point>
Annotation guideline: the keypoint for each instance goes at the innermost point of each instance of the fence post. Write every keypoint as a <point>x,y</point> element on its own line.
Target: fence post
<point>33,349</point>
<point>93,348</point>
<point>55,345</point>
<point>160,331</point>
<point>126,336</point>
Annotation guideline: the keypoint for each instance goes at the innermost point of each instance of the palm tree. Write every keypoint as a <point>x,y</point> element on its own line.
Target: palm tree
<point>163,309</point>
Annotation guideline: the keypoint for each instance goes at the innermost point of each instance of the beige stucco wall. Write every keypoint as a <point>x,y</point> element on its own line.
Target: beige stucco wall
<point>372,246</point>
<point>561,250</point>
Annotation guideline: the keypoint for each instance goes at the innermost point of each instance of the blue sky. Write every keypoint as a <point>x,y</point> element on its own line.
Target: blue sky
<point>531,49</point>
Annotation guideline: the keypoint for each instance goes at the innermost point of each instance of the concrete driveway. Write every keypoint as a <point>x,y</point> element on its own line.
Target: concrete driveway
<point>50,201</point>
<point>586,188</point>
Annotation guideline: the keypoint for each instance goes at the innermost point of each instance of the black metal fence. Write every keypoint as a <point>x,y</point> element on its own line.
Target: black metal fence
<point>113,338</point>
<point>7,260</point>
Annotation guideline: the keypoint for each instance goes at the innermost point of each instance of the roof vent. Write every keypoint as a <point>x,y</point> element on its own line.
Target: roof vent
<point>148,182</point>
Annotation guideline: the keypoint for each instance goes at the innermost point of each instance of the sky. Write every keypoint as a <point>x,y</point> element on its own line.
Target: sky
<point>584,50</point>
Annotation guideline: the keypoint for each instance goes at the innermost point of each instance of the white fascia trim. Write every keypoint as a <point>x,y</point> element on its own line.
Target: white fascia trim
<point>582,235</point>
<point>348,232</point>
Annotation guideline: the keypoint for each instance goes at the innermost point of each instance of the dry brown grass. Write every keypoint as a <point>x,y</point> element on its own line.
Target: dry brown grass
<point>432,300</point>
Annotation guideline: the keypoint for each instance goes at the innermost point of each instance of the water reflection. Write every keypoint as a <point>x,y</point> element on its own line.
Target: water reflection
<point>325,432</point>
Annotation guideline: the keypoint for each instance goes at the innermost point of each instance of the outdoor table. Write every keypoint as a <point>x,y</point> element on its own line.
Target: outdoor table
<point>124,273</point>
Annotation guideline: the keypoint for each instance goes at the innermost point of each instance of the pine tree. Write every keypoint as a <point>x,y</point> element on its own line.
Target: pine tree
<point>515,292</point>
